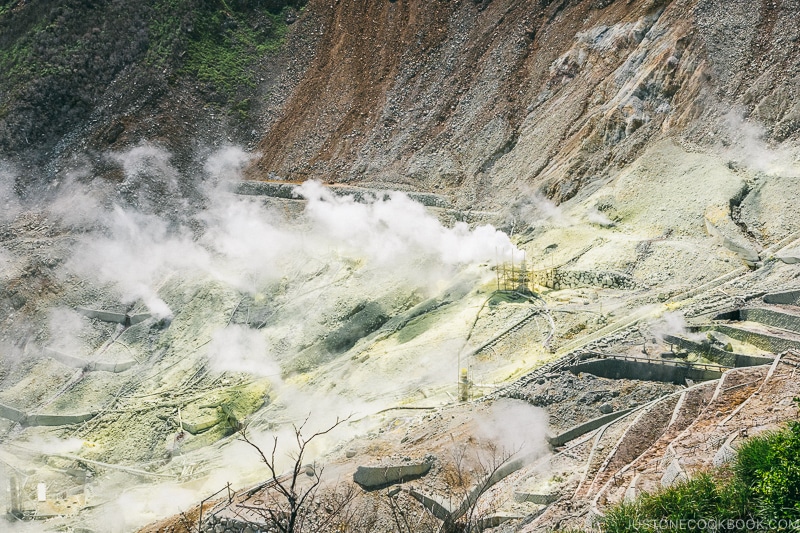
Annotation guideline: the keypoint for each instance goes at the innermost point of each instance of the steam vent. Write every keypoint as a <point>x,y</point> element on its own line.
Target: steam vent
<point>399,266</point>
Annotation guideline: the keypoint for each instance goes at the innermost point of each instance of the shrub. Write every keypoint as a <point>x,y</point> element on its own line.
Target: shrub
<point>763,484</point>
<point>769,467</point>
<point>58,59</point>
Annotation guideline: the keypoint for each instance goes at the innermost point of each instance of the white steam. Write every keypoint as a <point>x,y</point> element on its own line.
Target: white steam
<point>54,446</point>
<point>9,201</point>
<point>246,245</point>
<point>594,216</point>
<point>672,323</point>
<point>149,176</point>
<point>750,148</point>
<point>250,245</point>
<point>227,164</point>
<point>533,209</point>
<point>139,505</point>
<point>513,428</point>
<point>6,262</point>
<point>135,254</point>
<point>67,330</point>
<point>390,229</point>
<point>240,349</point>
<point>147,160</point>
<point>77,206</point>
<point>135,236</point>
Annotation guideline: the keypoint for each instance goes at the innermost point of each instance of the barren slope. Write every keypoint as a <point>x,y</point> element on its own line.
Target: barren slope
<point>486,99</point>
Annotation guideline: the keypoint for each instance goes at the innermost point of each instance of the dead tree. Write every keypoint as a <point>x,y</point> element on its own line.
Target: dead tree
<point>295,495</point>
<point>473,514</point>
<point>468,477</point>
<point>404,520</point>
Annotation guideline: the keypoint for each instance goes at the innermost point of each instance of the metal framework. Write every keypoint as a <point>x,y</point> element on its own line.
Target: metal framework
<point>515,277</point>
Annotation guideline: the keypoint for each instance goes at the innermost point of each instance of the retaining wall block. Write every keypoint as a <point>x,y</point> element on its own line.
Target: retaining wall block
<point>374,477</point>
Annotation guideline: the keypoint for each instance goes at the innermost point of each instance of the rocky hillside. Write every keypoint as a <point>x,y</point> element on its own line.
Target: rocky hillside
<point>467,97</point>
<point>84,77</point>
<point>474,97</point>
<point>165,277</point>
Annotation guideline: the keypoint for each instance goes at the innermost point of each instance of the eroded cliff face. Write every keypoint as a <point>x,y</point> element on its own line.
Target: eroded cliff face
<point>146,310</point>
<point>481,100</point>
<point>477,99</point>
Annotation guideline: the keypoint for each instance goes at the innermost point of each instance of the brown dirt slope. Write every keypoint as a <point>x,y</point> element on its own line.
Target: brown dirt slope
<point>468,97</point>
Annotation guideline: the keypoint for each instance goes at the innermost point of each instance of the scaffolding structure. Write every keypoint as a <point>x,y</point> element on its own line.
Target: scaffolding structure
<point>512,277</point>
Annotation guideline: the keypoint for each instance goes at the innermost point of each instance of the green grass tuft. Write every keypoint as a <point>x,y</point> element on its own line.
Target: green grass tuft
<point>59,59</point>
<point>224,45</point>
<point>769,466</point>
<point>762,485</point>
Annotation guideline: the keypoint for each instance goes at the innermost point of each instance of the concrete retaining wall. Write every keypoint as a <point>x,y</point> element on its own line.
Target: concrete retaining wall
<point>68,360</point>
<point>9,413</point>
<point>505,470</point>
<point>116,368</point>
<point>770,317</point>
<point>721,357</point>
<point>286,190</point>
<point>105,316</point>
<point>619,369</point>
<point>444,511</point>
<point>15,415</point>
<point>77,362</point>
<point>200,425</point>
<point>725,454</point>
<point>728,315</point>
<point>437,507</point>
<point>736,360</point>
<point>110,316</point>
<point>733,242</point>
<point>562,279</point>
<point>375,477</point>
<point>673,474</point>
<point>783,298</point>
<point>538,499</point>
<point>138,318</point>
<point>760,340</point>
<point>57,420</point>
<point>582,429</point>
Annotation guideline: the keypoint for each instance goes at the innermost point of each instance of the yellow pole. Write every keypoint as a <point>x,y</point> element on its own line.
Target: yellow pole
<point>463,386</point>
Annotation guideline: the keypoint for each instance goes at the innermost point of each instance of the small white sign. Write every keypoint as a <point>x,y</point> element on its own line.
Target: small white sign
<point>41,492</point>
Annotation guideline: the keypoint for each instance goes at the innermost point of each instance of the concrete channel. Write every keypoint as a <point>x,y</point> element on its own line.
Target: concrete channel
<point>718,355</point>
<point>113,317</point>
<point>77,362</point>
<point>377,477</point>
<point>790,297</point>
<point>582,429</point>
<point>24,419</point>
<point>627,367</point>
<point>277,189</point>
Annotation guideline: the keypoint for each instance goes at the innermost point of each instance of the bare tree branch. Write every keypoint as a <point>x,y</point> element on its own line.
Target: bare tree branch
<point>289,508</point>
